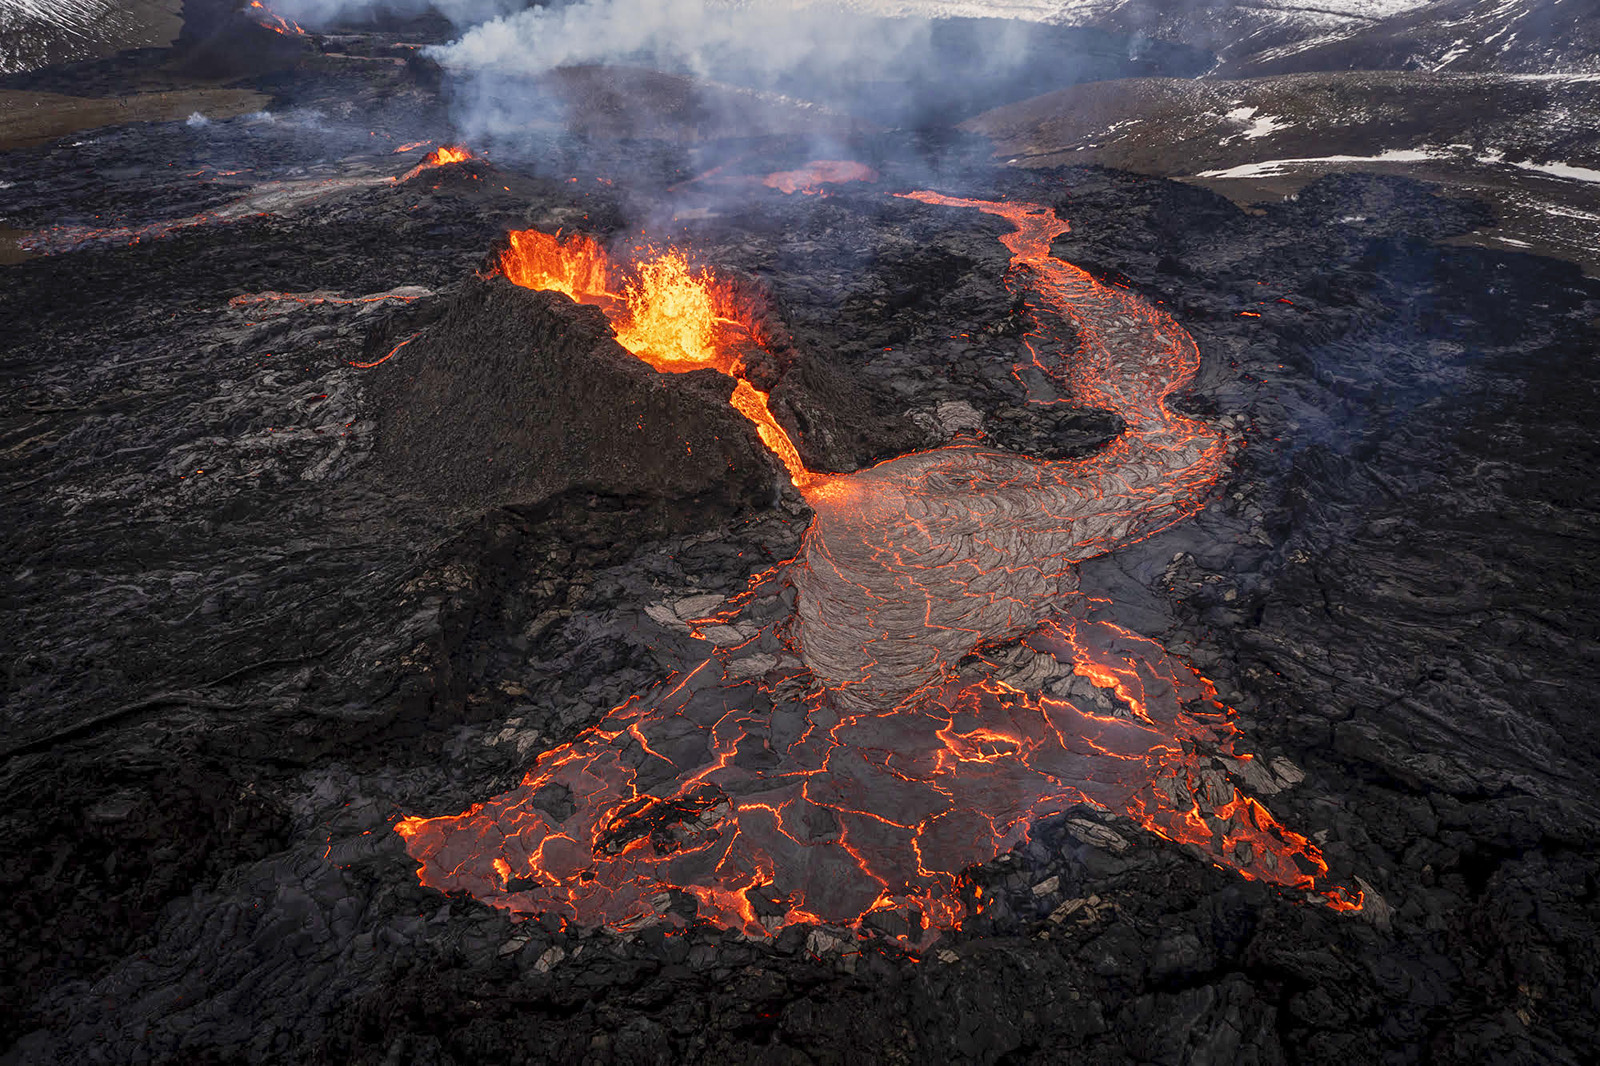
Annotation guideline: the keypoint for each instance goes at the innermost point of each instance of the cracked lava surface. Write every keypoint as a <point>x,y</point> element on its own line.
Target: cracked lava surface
<point>836,762</point>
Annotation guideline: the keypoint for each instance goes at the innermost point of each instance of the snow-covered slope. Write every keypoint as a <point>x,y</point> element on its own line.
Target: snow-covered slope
<point>1177,126</point>
<point>36,32</point>
<point>1284,36</point>
<point>1521,36</point>
<point>1529,144</point>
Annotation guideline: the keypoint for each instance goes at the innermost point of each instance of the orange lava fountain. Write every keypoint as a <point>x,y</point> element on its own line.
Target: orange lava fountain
<point>447,154</point>
<point>439,157</point>
<point>914,755</point>
<point>668,314</point>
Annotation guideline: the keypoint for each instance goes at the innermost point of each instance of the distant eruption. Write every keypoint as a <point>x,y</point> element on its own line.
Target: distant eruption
<point>264,15</point>
<point>869,783</point>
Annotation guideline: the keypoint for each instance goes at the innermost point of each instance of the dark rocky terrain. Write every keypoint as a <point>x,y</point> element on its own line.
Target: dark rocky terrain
<point>1260,37</point>
<point>1524,144</point>
<point>261,601</point>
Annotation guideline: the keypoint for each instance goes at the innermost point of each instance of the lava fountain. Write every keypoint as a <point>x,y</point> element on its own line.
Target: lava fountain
<point>836,763</point>
<point>671,316</point>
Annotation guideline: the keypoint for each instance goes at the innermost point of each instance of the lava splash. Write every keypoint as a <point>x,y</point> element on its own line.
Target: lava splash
<point>269,19</point>
<point>855,755</point>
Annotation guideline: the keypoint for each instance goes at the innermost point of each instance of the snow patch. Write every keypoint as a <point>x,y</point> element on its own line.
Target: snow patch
<point>1258,126</point>
<point>1563,170</point>
<point>1265,125</point>
<point>1273,167</point>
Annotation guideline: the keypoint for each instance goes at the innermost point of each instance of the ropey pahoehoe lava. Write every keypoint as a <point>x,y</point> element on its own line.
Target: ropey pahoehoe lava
<point>857,751</point>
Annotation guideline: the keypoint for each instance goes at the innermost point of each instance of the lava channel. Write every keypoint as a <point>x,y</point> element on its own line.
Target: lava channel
<point>837,764</point>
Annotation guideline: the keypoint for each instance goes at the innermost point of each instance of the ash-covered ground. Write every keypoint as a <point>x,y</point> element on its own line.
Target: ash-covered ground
<point>263,600</point>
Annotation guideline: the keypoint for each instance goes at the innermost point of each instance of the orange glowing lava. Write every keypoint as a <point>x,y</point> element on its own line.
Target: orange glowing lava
<point>439,157</point>
<point>811,178</point>
<point>664,311</point>
<point>856,757</point>
<point>447,154</point>
<point>276,23</point>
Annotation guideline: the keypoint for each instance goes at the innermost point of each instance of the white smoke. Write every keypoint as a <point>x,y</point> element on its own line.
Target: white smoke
<point>819,68</point>
<point>845,58</point>
<point>700,37</point>
<point>315,14</point>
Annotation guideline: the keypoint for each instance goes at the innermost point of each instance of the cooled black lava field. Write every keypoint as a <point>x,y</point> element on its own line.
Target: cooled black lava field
<point>317,525</point>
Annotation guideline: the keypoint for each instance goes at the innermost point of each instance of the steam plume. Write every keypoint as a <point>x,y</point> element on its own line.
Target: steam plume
<point>318,13</point>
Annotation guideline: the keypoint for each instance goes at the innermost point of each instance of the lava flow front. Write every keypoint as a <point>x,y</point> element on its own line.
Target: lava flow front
<point>853,756</point>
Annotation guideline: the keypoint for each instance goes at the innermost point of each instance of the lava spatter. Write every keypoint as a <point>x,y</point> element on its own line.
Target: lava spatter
<point>897,771</point>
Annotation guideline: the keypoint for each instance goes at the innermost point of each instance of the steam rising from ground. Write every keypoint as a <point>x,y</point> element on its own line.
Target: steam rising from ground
<point>701,37</point>
<point>849,61</point>
<point>318,13</point>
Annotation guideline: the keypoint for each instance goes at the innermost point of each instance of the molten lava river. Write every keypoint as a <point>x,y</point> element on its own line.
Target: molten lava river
<point>914,690</point>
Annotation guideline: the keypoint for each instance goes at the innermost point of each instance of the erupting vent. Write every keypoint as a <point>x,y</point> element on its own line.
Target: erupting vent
<point>671,316</point>
<point>868,779</point>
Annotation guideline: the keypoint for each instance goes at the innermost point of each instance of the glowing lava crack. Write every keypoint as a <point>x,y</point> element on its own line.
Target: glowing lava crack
<point>896,773</point>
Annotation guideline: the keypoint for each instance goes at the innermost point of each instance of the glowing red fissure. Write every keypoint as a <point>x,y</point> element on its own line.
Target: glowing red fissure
<point>770,811</point>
